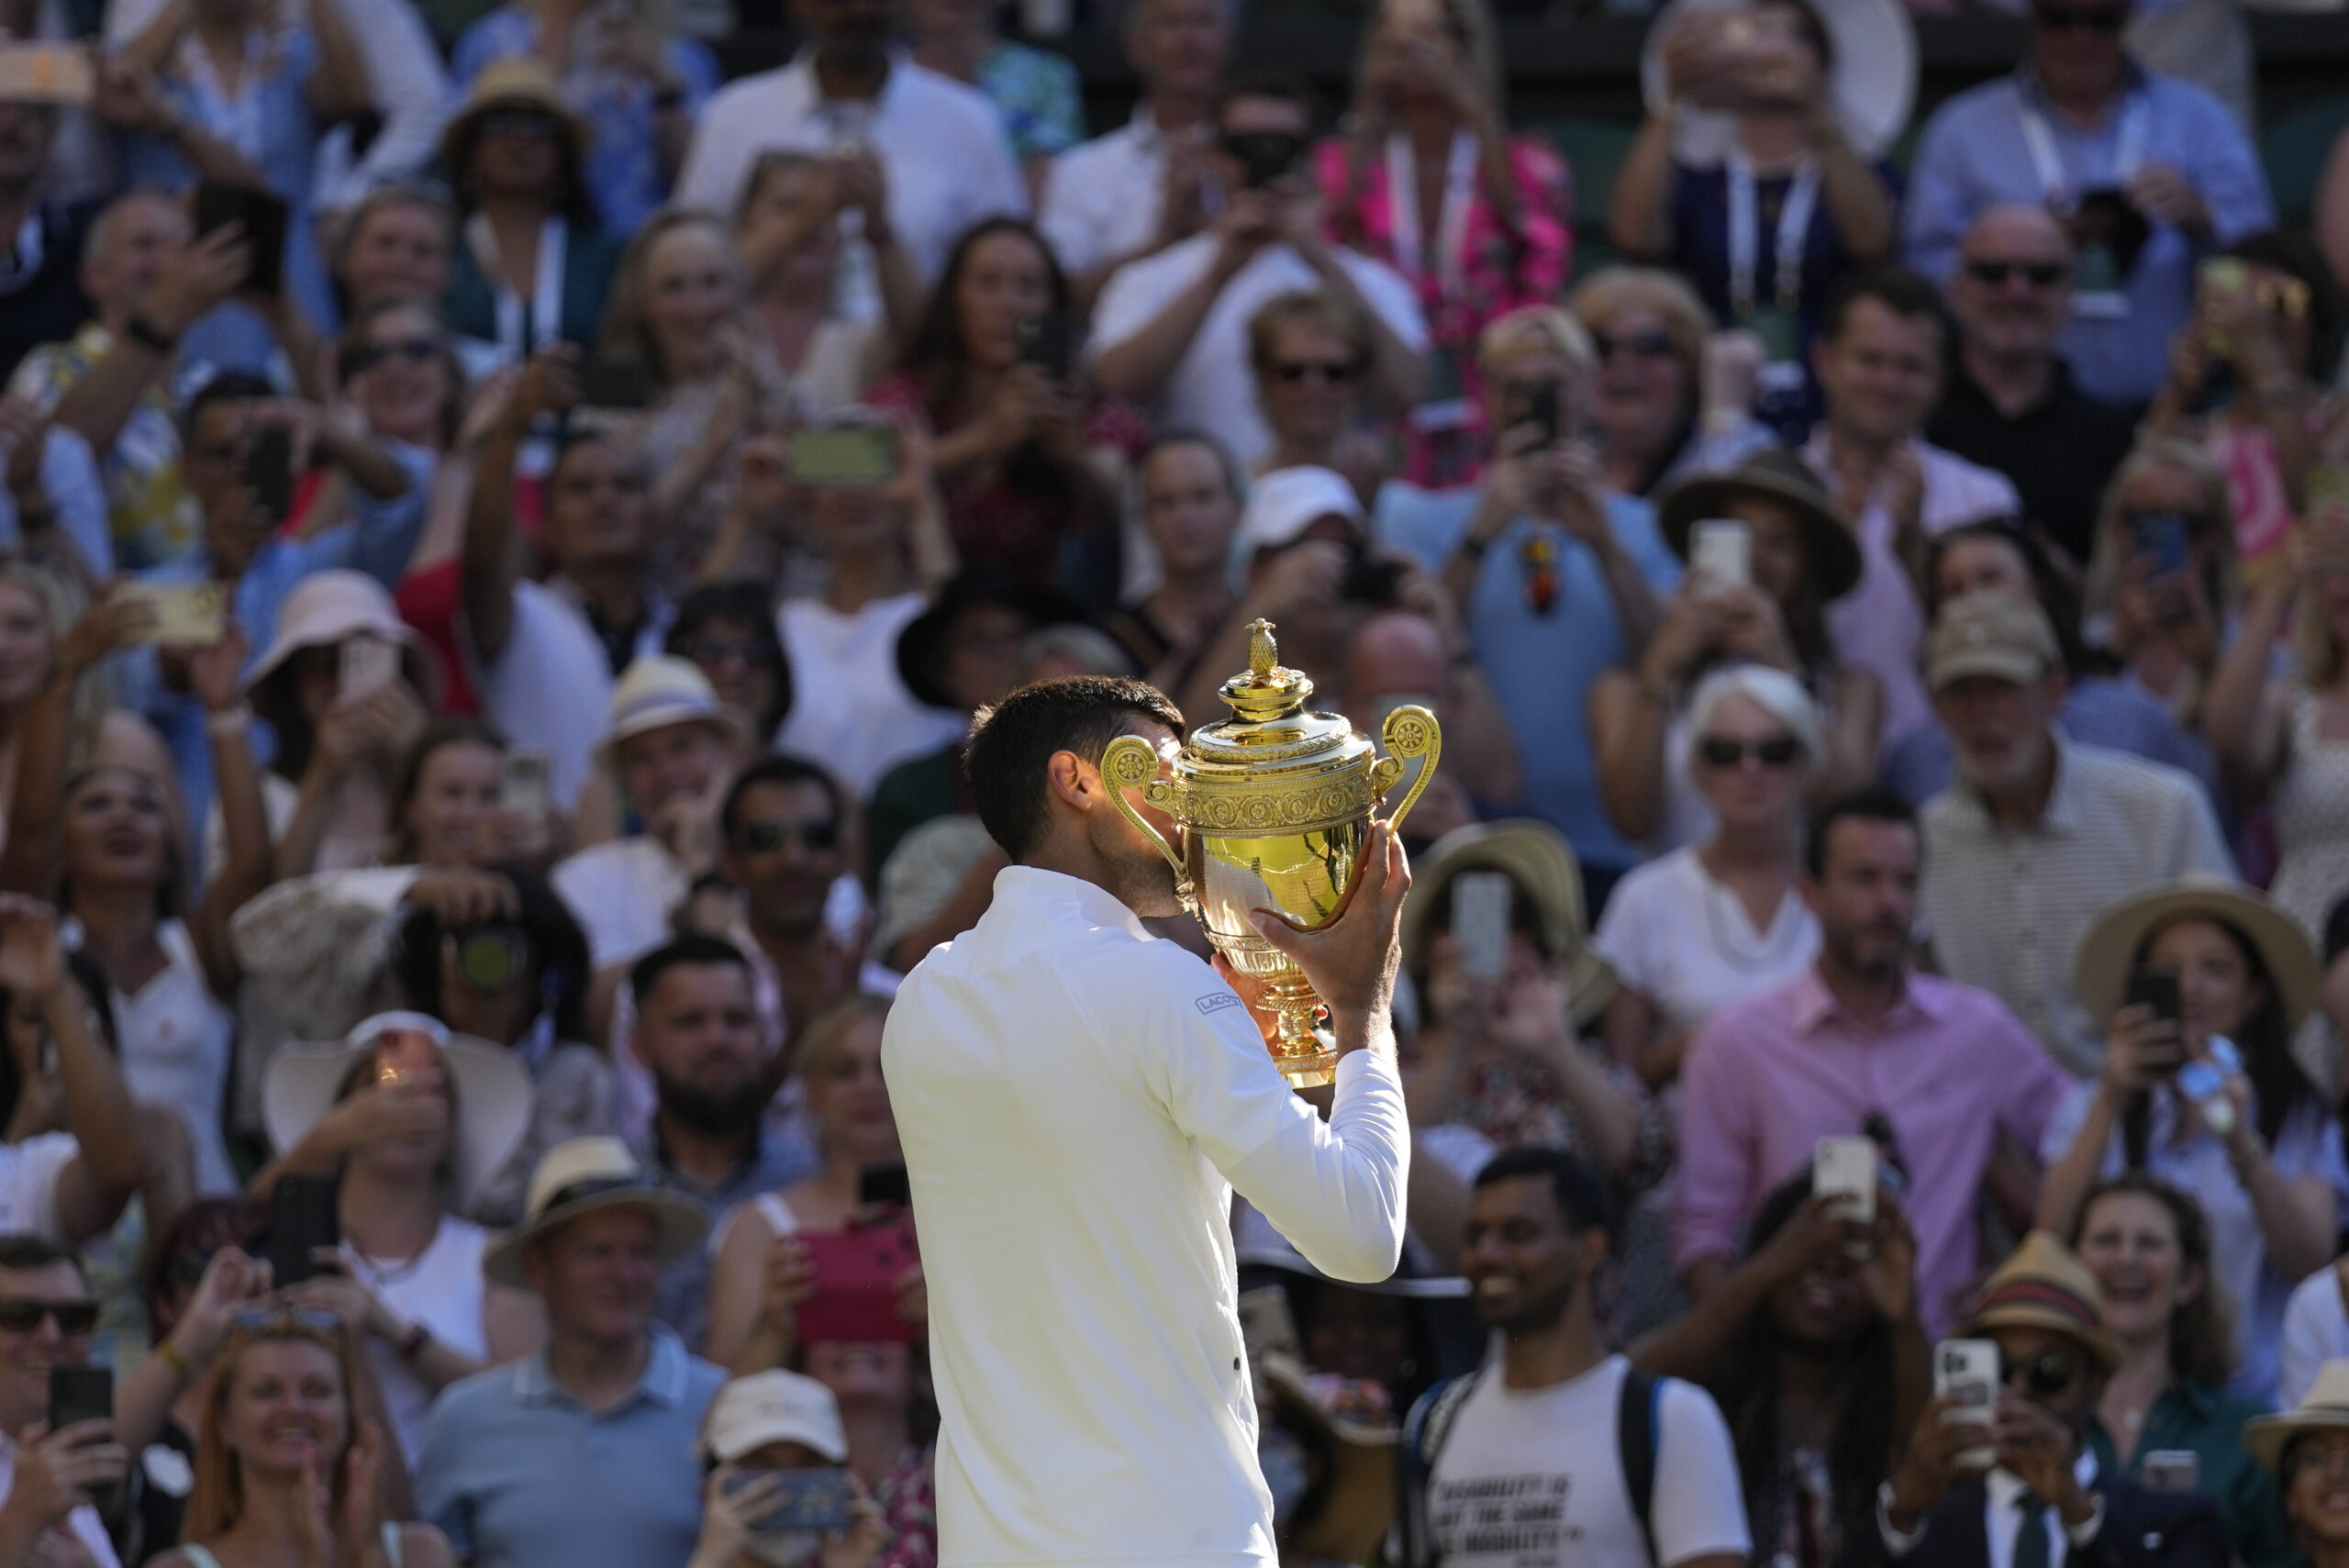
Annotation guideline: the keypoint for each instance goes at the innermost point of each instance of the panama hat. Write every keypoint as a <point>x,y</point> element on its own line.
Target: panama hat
<point>1773,474</point>
<point>1873,81</point>
<point>2044,1285</point>
<point>492,1093</point>
<point>1356,1509</point>
<point>584,1175</point>
<point>2324,1407</point>
<point>660,690</point>
<point>1539,862</point>
<point>333,606</point>
<point>774,1407</point>
<point>2100,972</point>
<point>517,82</point>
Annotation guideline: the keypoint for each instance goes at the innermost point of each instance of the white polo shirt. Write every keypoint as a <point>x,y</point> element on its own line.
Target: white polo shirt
<point>1103,198</point>
<point>1078,1102</point>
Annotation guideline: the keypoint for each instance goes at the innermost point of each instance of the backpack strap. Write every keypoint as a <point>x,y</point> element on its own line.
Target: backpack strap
<point>1424,1432</point>
<point>1639,1423</point>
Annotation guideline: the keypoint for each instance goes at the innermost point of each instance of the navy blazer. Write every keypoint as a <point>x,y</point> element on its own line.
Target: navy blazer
<point>2141,1529</point>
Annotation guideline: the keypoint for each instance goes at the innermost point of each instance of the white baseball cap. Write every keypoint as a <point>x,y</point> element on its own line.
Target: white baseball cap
<point>1287,501</point>
<point>777,1407</point>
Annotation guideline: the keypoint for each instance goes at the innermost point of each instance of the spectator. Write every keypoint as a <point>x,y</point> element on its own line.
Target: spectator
<point>2271,1175</point>
<point>397,367</point>
<point>628,76</point>
<point>612,1388</point>
<point>1415,653</point>
<point>846,94</point>
<point>1750,176</point>
<point>1801,560</point>
<point>792,232</point>
<point>1310,351</point>
<point>763,1426</point>
<point>2042,1307</point>
<point>532,268</point>
<point>2011,402</point>
<point>1035,92</point>
<point>1673,397</point>
<point>1814,1349</point>
<point>727,632</point>
<point>1428,93</point>
<point>40,295</point>
<point>1721,917</point>
<point>2146,171</point>
<point>1189,497</point>
<point>1556,577</point>
<point>2038,832</point>
<point>1148,184</point>
<point>697,1031</point>
<point>2149,1246</point>
<point>1861,1043</point>
<point>398,242</point>
<point>1170,330</point>
<point>52,1476</point>
<point>33,632</point>
<point>412,1124</point>
<point>2303,1447</point>
<point>1030,462</point>
<point>1882,343</point>
<point>1540,1229</point>
<point>66,1183</point>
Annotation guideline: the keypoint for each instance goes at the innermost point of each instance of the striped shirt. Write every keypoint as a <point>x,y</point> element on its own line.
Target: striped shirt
<point>2006,911</point>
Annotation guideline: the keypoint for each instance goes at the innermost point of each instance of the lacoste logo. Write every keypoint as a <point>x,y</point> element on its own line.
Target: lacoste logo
<point>1217,1002</point>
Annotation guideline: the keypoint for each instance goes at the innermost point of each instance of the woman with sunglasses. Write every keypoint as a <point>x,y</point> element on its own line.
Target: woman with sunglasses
<point>2149,1247</point>
<point>287,1470</point>
<point>729,632</point>
<point>1716,922</point>
<point>1674,399</point>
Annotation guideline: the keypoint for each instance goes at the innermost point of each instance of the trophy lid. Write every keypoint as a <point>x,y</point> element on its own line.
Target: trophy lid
<point>1270,729</point>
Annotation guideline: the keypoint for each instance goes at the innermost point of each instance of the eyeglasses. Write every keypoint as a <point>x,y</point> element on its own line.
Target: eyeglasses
<point>718,650</point>
<point>1638,345</point>
<point>1720,751</point>
<point>414,350</point>
<point>2044,1376</point>
<point>2039,274</point>
<point>2093,19</point>
<point>765,837</point>
<point>519,122</point>
<point>23,1314</point>
<point>490,958</point>
<point>1330,372</point>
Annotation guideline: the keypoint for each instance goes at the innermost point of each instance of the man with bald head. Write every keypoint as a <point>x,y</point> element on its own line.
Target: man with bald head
<point>1417,654</point>
<point>2011,402</point>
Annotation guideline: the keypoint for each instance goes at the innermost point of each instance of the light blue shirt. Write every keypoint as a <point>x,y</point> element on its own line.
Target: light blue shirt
<point>1975,155</point>
<point>1539,663</point>
<point>517,1474</point>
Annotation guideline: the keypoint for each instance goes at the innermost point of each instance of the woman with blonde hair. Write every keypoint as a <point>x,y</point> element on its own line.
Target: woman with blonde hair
<point>789,228</point>
<point>1428,179</point>
<point>1670,400</point>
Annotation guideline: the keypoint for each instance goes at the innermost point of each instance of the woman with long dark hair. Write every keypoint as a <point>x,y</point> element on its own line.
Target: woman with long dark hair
<point>1819,1362</point>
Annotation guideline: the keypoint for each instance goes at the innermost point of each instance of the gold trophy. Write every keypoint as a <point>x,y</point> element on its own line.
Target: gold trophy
<point>1274,805</point>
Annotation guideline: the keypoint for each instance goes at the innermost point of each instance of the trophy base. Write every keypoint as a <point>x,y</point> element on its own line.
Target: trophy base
<point>1308,1063</point>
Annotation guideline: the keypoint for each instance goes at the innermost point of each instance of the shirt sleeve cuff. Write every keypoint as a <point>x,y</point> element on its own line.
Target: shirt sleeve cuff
<point>1355,1063</point>
<point>1898,1544</point>
<point>2085,1532</point>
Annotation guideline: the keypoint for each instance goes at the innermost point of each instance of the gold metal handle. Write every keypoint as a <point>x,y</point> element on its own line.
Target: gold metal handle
<point>1131,762</point>
<point>1409,732</point>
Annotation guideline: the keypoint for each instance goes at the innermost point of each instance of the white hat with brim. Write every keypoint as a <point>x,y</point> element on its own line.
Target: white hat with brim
<point>1287,501</point>
<point>2100,972</point>
<point>776,1406</point>
<point>2325,1408</point>
<point>1875,77</point>
<point>658,691</point>
<point>586,1175</point>
<point>492,1091</point>
<point>333,606</point>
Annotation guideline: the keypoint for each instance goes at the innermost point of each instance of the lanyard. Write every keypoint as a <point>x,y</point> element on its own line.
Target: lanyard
<point>2039,140</point>
<point>1744,233</point>
<point>545,324</point>
<point>1452,222</point>
<point>237,120</point>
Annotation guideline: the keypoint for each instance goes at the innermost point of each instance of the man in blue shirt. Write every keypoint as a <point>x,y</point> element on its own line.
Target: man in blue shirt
<point>586,1452</point>
<point>1556,577</point>
<point>2151,171</point>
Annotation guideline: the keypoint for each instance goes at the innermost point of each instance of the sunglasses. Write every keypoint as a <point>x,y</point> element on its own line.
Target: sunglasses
<point>2044,1376</point>
<point>2039,274</point>
<point>2092,18</point>
<point>22,1315</point>
<point>490,959</point>
<point>1638,345</point>
<point>417,351</point>
<point>1720,751</point>
<point>1330,372</point>
<point>765,837</point>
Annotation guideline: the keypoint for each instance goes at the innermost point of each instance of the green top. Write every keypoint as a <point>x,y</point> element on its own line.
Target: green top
<point>2208,1421</point>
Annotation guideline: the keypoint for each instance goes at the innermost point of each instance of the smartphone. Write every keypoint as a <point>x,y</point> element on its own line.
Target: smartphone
<point>1049,340</point>
<point>1535,405</point>
<point>2161,538</point>
<point>47,73</point>
<point>402,1055</point>
<point>78,1394</point>
<point>304,1215</point>
<point>1843,1168</point>
<point>522,782</point>
<point>885,1184</point>
<point>810,1501</point>
<point>1720,551</point>
<point>1967,1372</point>
<point>2154,986</point>
<point>265,218</point>
<point>856,1286</point>
<point>1480,902</point>
<point>269,470</point>
<point>1371,580</point>
<point>604,383</point>
<point>1266,1323</point>
<point>187,614</point>
<point>1264,155</point>
<point>842,454</point>
<point>2172,1469</point>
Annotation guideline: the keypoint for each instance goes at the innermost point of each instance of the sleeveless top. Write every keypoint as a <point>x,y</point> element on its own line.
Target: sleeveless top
<point>204,1559</point>
<point>176,1038</point>
<point>440,1287</point>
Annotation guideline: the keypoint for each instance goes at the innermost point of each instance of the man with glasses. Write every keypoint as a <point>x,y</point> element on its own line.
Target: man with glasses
<point>47,1319</point>
<point>2148,171</point>
<point>1859,1044</point>
<point>784,851</point>
<point>2011,402</point>
<point>2015,1482</point>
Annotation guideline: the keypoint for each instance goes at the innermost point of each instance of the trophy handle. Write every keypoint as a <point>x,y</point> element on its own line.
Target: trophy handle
<point>1131,764</point>
<point>1409,732</point>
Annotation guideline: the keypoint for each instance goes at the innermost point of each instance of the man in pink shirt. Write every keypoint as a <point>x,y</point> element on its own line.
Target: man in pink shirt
<point>1858,1043</point>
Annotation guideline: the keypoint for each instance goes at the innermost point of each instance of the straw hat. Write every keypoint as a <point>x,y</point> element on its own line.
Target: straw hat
<point>2100,973</point>
<point>492,1093</point>
<point>2325,1406</point>
<point>777,1407</point>
<point>584,1175</point>
<point>517,82</point>
<point>1773,474</point>
<point>1538,861</point>
<point>2045,1285</point>
<point>660,690</point>
<point>1357,1504</point>
<point>1873,81</point>
<point>329,607</point>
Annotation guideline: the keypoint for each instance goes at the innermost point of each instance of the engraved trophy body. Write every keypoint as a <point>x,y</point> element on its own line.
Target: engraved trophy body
<point>1275,806</point>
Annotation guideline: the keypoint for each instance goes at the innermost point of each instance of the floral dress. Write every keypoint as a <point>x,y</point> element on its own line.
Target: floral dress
<point>1505,256</point>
